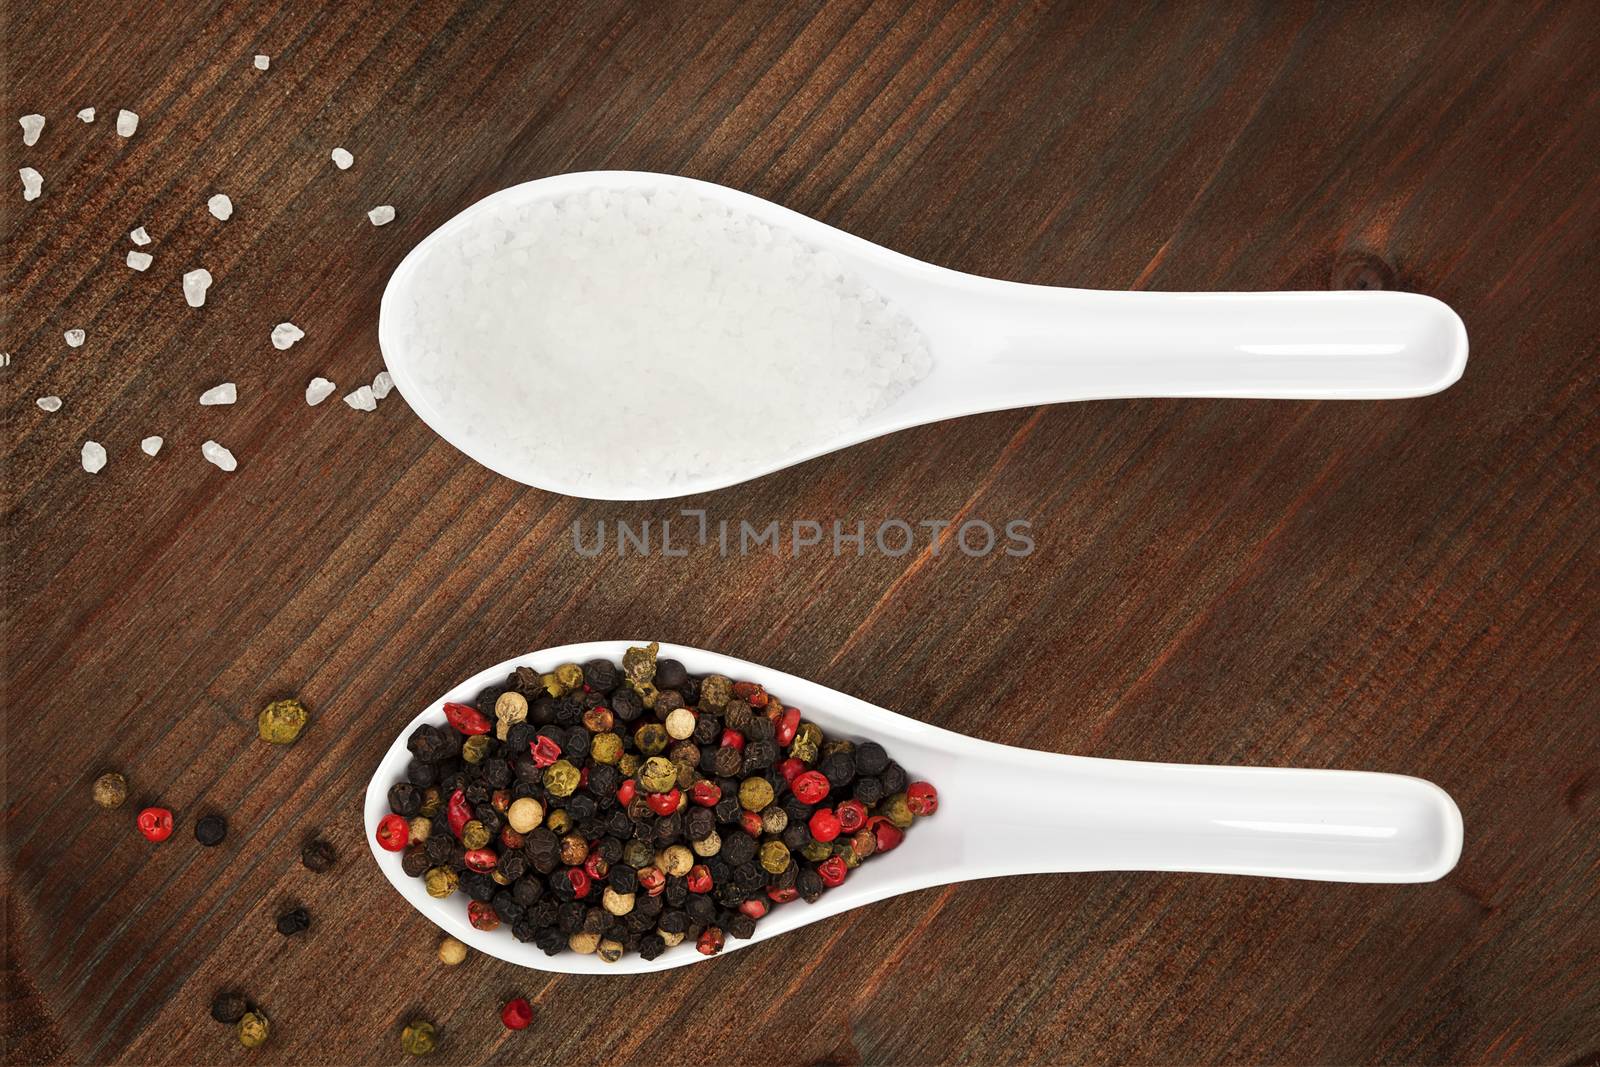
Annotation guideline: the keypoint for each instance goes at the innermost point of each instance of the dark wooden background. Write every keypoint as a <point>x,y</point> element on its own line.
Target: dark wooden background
<point>1405,586</point>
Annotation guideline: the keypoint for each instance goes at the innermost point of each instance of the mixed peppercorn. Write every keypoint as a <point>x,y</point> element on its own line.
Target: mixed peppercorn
<point>607,809</point>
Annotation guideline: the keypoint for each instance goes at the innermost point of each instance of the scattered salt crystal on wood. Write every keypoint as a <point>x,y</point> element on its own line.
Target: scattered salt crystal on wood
<point>151,445</point>
<point>362,399</point>
<point>263,62</point>
<point>319,390</point>
<point>74,338</point>
<point>286,334</point>
<point>219,455</point>
<point>226,393</point>
<point>381,215</point>
<point>139,260</point>
<point>32,183</point>
<point>342,159</point>
<point>139,237</point>
<point>32,126</point>
<point>94,457</point>
<point>220,206</point>
<point>87,114</point>
<point>49,403</point>
<point>195,284</point>
<point>127,122</point>
<point>382,384</point>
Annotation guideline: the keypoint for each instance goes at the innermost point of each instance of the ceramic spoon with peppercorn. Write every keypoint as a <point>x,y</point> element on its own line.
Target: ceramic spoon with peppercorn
<point>938,343</point>
<point>1004,811</point>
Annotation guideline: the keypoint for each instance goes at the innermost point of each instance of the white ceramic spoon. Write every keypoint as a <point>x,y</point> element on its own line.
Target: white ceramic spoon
<point>1006,810</point>
<point>994,344</point>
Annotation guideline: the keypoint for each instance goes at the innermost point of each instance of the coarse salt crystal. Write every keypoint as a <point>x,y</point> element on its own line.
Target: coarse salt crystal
<point>74,338</point>
<point>286,334</point>
<point>87,114</point>
<point>226,393</point>
<point>362,399</point>
<point>32,183</point>
<point>32,126</point>
<point>381,215</point>
<point>220,206</point>
<point>382,384</point>
<point>49,403</point>
<point>219,455</point>
<point>151,445</point>
<point>263,62</point>
<point>127,122</point>
<point>139,237</point>
<point>319,390</point>
<point>94,457</point>
<point>195,284</point>
<point>139,260</point>
<point>342,159</point>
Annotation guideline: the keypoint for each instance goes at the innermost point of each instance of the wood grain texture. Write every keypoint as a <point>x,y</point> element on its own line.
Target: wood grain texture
<point>1407,586</point>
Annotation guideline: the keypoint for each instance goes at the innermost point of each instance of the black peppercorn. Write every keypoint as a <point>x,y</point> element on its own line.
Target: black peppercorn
<point>677,892</point>
<point>317,856</point>
<point>759,755</point>
<point>738,847</point>
<point>405,799</point>
<point>700,907</point>
<point>229,1006</point>
<point>209,830</point>
<point>294,921</point>
<point>601,675</point>
<point>894,778</point>
<point>415,861</point>
<point>421,774</point>
<point>839,768</point>
<point>871,759</point>
<point>740,926</point>
<point>809,883</point>
<point>651,946</point>
<point>869,791</point>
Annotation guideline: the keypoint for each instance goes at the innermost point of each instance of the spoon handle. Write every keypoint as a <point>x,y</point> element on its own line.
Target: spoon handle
<point>1033,344</point>
<point>1347,826</point>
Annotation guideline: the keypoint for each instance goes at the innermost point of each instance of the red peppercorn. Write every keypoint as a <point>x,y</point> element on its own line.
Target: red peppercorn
<point>545,752</point>
<point>824,825</point>
<point>627,791</point>
<point>664,803</point>
<point>788,724</point>
<point>783,896</point>
<point>156,824</point>
<point>733,739</point>
<point>394,833</point>
<point>852,816</point>
<point>583,778</point>
<point>596,865</point>
<point>466,719</point>
<point>750,822</point>
<point>482,916</point>
<point>832,871</point>
<point>699,879</point>
<point>652,880</point>
<point>458,812</point>
<point>751,693</point>
<point>791,769</point>
<point>755,907</point>
<point>580,882</point>
<point>482,860</point>
<point>511,839</point>
<point>922,798</point>
<point>810,787</point>
<point>705,794</point>
<point>518,1013</point>
<point>710,942</point>
<point>885,833</point>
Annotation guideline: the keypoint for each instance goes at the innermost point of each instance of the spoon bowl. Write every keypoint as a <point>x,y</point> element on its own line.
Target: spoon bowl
<point>993,344</point>
<point>1005,810</point>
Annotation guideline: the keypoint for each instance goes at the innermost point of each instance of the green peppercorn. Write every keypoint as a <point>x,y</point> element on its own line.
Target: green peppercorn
<point>610,951</point>
<point>715,692</point>
<point>474,748</point>
<point>843,850</point>
<point>281,721</point>
<point>605,748</point>
<point>658,775</point>
<point>558,821</point>
<point>253,1029</point>
<point>651,738</point>
<point>755,794</point>
<point>474,835</point>
<point>838,745</point>
<point>863,843</point>
<point>452,952</point>
<point>807,742</point>
<point>636,853</point>
<point>431,801</point>
<point>639,664</point>
<point>628,765</point>
<point>774,820</point>
<point>775,857</point>
<point>552,685</point>
<point>561,778</point>
<point>110,790</point>
<point>647,692</point>
<point>897,810</point>
<point>583,942</point>
<point>419,1038</point>
<point>440,882</point>
<point>816,851</point>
